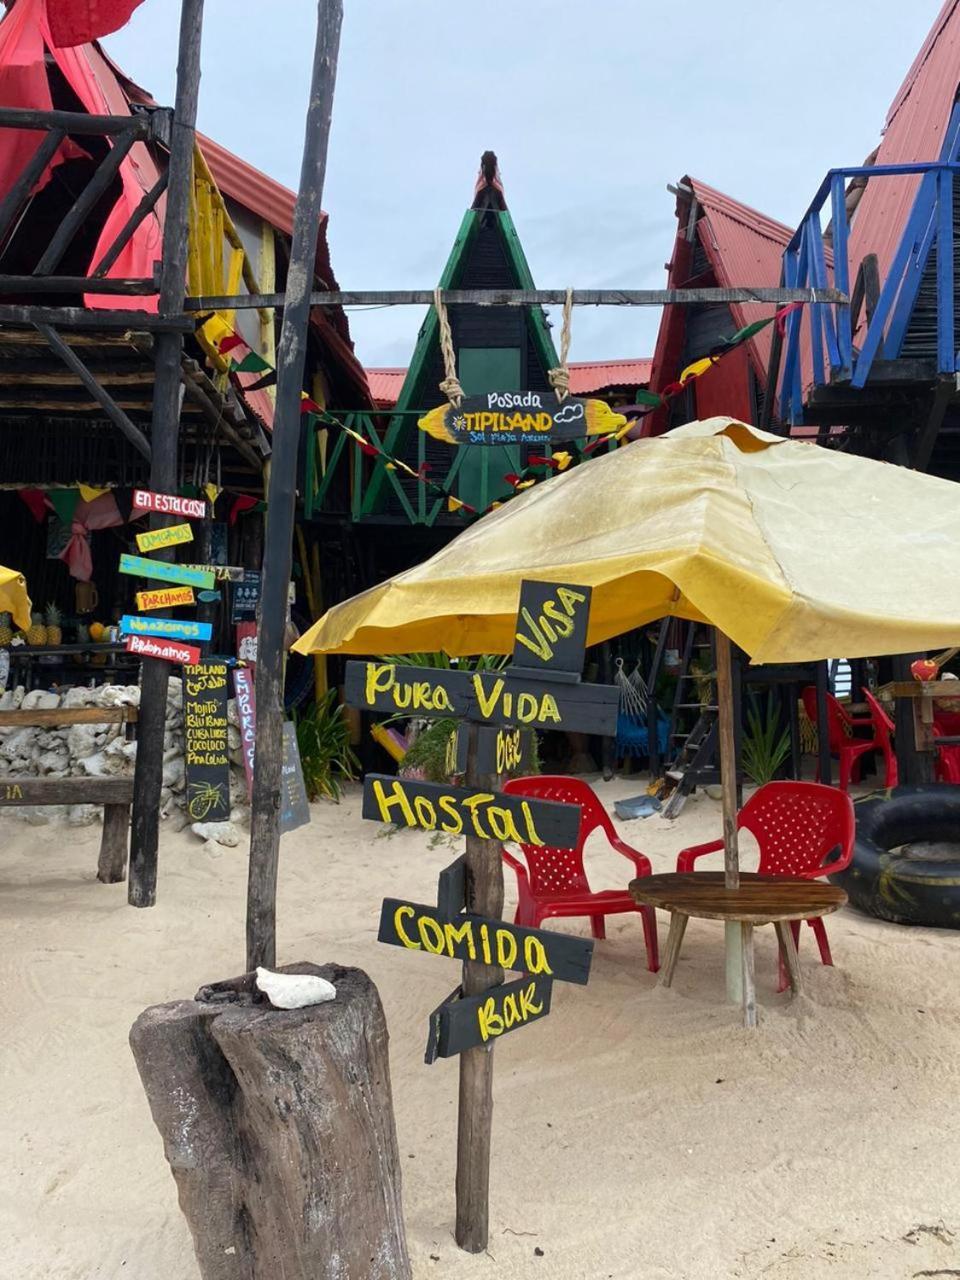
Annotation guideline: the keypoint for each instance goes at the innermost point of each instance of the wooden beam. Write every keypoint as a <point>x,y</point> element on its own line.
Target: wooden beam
<point>927,436</point>
<point>74,284</point>
<point>106,401</point>
<point>217,418</point>
<point>42,791</point>
<point>46,377</point>
<point>77,122</point>
<point>141,342</point>
<point>82,318</point>
<point>148,203</point>
<point>519,298</point>
<point>21,190</point>
<point>41,717</point>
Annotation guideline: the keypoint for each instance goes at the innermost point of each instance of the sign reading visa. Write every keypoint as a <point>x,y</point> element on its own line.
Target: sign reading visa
<point>165,598</point>
<point>168,650</point>
<point>520,417</point>
<point>550,633</point>
<point>140,567</point>
<point>169,504</point>
<point>131,625</point>
<point>154,539</point>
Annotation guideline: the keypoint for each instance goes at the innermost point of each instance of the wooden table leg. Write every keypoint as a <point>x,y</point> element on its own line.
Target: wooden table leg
<point>788,949</point>
<point>678,924</point>
<point>749,990</point>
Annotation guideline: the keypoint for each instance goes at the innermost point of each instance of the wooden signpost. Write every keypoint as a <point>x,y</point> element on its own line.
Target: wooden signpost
<point>169,598</point>
<point>154,539</point>
<point>168,650</point>
<point>523,417</point>
<point>182,574</point>
<point>205,742</point>
<point>169,504</point>
<point>247,715</point>
<point>176,628</point>
<point>541,689</point>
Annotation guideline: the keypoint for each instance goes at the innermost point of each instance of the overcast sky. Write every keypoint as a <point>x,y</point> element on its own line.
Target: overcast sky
<point>591,108</point>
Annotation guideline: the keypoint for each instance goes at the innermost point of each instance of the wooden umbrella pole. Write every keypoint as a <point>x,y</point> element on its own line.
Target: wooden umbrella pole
<point>739,947</point>
<point>475,1121</point>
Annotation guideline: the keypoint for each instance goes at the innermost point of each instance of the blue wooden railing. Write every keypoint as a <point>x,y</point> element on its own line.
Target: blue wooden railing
<point>829,327</point>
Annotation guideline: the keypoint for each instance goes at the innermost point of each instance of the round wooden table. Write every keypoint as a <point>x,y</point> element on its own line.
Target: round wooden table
<point>775,900</point>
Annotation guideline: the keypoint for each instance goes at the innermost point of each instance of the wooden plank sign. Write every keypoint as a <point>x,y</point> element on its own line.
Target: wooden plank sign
<point>452,887</point>
<point>294,806</point>
<point>167,598</point>
<point>169,504</point>
<point>551,627</point>
<point>520,417</point>
<point>182,574</point>
<point>500,751</point>
<point>131,625</point>
<point>154,539</point>
<point>489,697</point>
<point>220,572</point>
<point>205,742</point>
<point>464,1022</point>
<point>561,956</point>
<point>168,650</point>
<point>247,715</point>
<point>457,811</point>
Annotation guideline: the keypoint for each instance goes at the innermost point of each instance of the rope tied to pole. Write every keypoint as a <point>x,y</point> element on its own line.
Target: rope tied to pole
<point>560,377</point>
<point>450,385</point>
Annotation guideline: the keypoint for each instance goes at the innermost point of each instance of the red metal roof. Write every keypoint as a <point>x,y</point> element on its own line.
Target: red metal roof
<point>914,131</point>
<point>586,376</point>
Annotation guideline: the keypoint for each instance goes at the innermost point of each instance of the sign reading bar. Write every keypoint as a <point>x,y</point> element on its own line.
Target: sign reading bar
<point>560,956</point>
<point>499,751</point>
<point>169,504</point>
<point>487,696</point>
<point>460,811</point>
<point>247,715</point>
<point>520,417</point>
<point>207,759</point>
<point>168,650</point>
<point>130,624</point>
<point>154,539</point>
<point>183,574</point>
<point>168,598</point>
<point>551,628</point>
<point>294,806</point>
<point>464,1022</point>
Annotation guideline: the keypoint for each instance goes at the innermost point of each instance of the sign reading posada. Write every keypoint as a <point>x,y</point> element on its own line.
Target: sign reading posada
<point>520,417</point>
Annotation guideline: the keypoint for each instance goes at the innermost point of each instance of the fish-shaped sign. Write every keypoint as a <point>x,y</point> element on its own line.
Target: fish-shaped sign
<point>521,417</point>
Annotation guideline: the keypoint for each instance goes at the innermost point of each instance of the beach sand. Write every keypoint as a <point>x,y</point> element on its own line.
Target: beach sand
<point>638,1132</point>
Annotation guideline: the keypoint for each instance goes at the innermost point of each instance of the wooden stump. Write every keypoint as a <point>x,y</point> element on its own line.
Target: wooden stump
<point>278,1126</point>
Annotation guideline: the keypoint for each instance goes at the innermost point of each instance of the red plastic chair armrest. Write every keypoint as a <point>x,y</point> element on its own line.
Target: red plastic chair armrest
<point>515,863</point>
<point>639,860</point>
<point>687,857</point>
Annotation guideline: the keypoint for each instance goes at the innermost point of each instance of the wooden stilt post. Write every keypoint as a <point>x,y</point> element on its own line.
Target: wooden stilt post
<point>164,433</point>
<point>735,940</point>
<point>485,897</point>
<point>281,497</point>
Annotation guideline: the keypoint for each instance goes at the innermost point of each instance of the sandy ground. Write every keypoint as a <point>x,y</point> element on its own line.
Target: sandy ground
<point>638,1132</point>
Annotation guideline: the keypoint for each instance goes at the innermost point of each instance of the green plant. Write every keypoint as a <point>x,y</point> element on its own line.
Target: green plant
<point>323,738</point>
<point>433,752</point>
<point>765,745</point>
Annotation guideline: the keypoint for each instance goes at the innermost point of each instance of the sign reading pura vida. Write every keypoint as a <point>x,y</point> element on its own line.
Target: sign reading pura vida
<point>520,417</point>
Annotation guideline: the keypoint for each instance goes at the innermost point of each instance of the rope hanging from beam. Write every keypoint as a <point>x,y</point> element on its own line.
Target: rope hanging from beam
<point>560,377</point>
<point>450,385</point>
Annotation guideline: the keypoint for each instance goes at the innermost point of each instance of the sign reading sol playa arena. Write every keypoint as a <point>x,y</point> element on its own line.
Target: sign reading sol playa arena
<point>520,417</point>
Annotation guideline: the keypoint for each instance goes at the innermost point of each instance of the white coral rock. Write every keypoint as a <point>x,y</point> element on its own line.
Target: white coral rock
<point>294,990</point>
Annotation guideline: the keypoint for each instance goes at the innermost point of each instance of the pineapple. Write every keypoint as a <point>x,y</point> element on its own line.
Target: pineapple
<point>37,632</point>
<point>6,630</point>
<point>54,630</point>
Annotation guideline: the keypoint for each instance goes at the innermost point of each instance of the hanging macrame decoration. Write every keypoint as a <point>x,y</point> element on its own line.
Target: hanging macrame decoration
<point>515,417</point>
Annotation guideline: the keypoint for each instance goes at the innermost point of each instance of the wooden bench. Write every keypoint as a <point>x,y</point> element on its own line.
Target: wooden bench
<point>115,794</point>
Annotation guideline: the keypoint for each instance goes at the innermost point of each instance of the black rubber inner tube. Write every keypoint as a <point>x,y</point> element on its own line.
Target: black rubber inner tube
<point>906,859</point>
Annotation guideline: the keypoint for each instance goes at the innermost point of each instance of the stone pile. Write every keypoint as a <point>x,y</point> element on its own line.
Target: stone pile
<point>97,751</point>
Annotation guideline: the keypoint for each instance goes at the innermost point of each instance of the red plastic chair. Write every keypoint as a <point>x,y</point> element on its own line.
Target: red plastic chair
<point>847,748</point>
<point>883,728</point>
<point>797,826</point>
<point>554,882</point>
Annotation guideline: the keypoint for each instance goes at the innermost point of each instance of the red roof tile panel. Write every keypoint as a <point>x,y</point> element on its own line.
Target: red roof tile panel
<point>586,376</point>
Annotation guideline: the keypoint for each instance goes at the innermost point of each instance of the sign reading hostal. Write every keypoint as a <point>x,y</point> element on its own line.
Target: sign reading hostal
<point>520,417</point>
<point>207,758</point>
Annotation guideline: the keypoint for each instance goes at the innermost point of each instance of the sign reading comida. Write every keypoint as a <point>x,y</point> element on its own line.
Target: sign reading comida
<point>521,417</point>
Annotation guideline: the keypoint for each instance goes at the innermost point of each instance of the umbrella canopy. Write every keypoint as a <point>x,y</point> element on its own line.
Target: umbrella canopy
<point>796,552</point>
<point>13,597</point>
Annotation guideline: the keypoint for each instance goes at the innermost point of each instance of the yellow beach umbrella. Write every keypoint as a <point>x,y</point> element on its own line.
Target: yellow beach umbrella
<point>795,552</point>
<point>13,597</point>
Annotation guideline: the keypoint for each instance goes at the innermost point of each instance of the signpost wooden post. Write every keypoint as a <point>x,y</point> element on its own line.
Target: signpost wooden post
<point>500,709</point>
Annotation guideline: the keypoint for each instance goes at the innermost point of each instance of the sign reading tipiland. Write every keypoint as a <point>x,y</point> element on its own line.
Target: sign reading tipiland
<point>520,417</point>
<point>206,755</point>
<point>169,504</point>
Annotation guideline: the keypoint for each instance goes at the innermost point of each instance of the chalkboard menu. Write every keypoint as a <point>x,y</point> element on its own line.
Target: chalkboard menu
<point>294,807</point>
<point>207,760</point>
<point>246,595</point>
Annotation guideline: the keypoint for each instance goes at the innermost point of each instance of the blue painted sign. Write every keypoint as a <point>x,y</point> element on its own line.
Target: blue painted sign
<point>141,567</point>
<point>131,625</point>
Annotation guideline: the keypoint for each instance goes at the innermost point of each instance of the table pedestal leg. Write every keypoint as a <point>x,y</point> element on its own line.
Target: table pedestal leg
<point>788,949</point>
<point>749,991</point>
<point>678,924</point>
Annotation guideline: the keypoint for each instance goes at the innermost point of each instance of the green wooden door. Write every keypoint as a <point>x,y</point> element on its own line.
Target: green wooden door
<point>480,480</point>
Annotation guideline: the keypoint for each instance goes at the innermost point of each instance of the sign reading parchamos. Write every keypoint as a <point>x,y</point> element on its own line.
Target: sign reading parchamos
<point>164,598</point>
